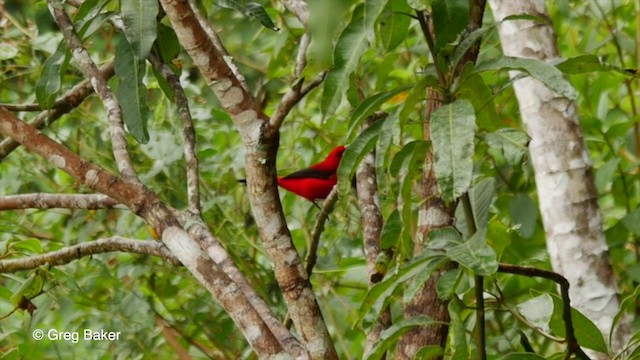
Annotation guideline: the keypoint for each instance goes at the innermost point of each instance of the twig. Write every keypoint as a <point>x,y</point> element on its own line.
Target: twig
<point>572,343</point>
<point>91,71</point>
<point>188,132</point>
<point>49,201</point>
<point>299,8</point>
<point>71,253</point>
<point>323,215</point>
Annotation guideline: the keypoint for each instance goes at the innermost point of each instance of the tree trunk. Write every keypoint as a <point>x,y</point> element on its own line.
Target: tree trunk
<point>564,178</point>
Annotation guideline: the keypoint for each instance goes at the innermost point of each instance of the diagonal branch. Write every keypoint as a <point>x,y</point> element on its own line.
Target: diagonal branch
<point>100,246</point>
<point>147,205</point>
<point>188,132</point>
<point>91,71</point>
<point>260,140</point>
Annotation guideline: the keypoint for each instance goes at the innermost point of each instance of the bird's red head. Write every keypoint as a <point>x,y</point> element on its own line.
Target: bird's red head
<point>331,162</point>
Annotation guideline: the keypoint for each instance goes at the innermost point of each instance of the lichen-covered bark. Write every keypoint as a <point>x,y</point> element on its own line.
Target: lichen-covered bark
<point>564,178</point>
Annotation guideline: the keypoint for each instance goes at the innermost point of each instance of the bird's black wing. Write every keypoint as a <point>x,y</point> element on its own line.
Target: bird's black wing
<point>309,173</point>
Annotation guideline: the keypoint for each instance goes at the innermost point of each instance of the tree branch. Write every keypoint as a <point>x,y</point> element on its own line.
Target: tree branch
<point>50,201</point>
<point>75,252</point>
<point>188,132</point>
<point>261,145</point>
<point>91,71</point>
<point>572,343</point>
<point>299,8</point>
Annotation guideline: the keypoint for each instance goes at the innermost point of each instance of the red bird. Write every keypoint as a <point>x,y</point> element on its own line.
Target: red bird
<point>316,181</point>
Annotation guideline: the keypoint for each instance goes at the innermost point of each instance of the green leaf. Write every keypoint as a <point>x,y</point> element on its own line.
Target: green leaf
<point>390,335</point>
<point>475,254</point>
<point>466,43</point>
<point>474,89</point>
<point>167,43</point>
<point>369,106</point>
<point>383,289</point>
<point>372,11</point>
<point>428,352</point>
<point>546,73</point>
<point>354,153</point>
<point>510,142</point>
<point>605,175</point>
<point>391,231</point>
<point>350,47</point>
<point>632,221</point>
<point>538,311</point>
<point>446,285</point>
<point>450,17</point>
<point>452,131</point>
<point>481,196</point>
<point>139,17</point>
<point>628,304</point>
<point>522,356</point>
<point>132,93</point>
<point>394,24</point>
<point>457,330</point>
<point>587,64</point>
<point>258,12</point>
<point>587,333</point>
<point>406,166</point>
<point>49,82</point>
<point>524,212</point>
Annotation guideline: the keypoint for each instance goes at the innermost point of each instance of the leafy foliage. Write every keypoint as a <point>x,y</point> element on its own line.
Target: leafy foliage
<point>379,62</point>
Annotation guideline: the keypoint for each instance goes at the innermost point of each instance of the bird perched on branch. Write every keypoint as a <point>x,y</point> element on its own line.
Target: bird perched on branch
<point>316,181</point>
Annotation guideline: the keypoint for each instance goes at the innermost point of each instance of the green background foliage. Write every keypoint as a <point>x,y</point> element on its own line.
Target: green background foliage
<point>379,62</point>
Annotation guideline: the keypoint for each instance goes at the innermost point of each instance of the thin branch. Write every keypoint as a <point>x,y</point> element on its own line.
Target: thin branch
<point>301,59</point>
<point>188,132</point>
<point>323,215</point>
<point>70,100</point>
<point>292,97</point>
<point>572,343</point>
<point>299,8</point>
<point>75,252</point>
<point>91,71</point>
<point>50,201</point>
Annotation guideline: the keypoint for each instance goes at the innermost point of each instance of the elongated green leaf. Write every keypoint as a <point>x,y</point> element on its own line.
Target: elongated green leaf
<point>132,93</point>
<point>466,44</point>
<point>369,106</point>
<point>547,74</point>
<point>586,331</point>
<point>394,24</point>
<point>350,47</point>
<point>429,352</point>
<point>391,231</point>
<point>49,83</point>
<point>452,131</point>
<point>626,305</point>
<point>251,10</point>
<point>474,89</point>
<point>389,336</point>
<point>139,17</point>
<point>446,286</point>
<point>406,166</point>
<point>372,11</point>
<point>450,17</point>
<point>357,150</point>
<point>481,196</point>
<point>458,342</point>
<point>510,142</point>
<point>587,64</point>
<point>386,287</point>
<point>475,254</point>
